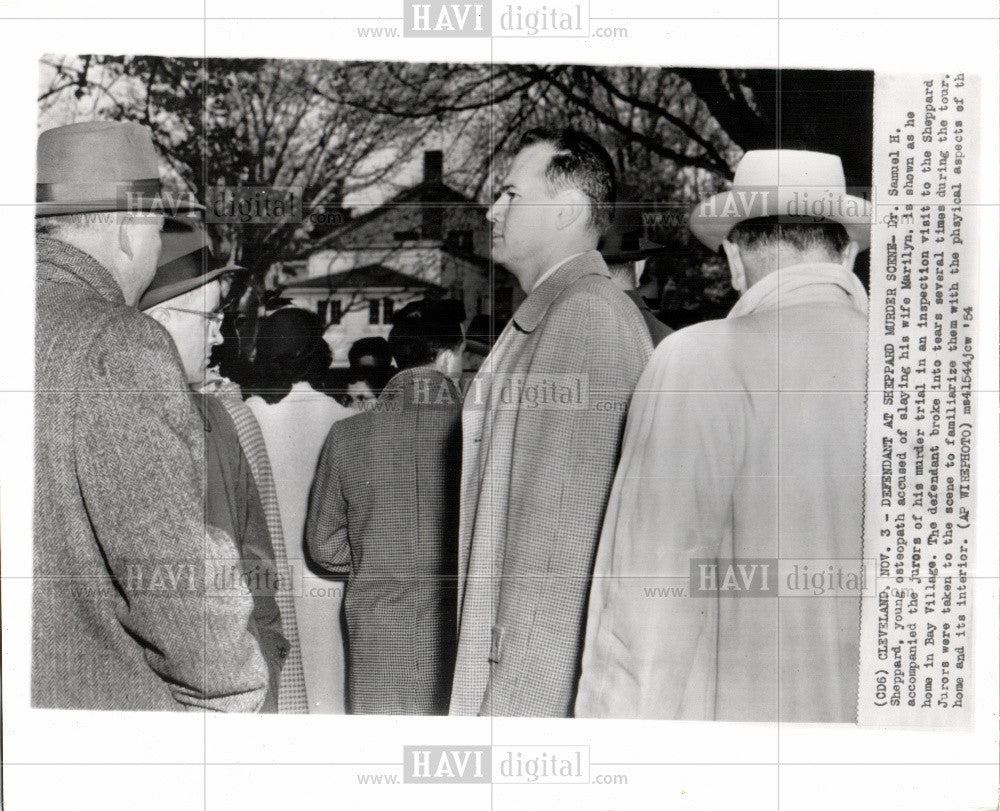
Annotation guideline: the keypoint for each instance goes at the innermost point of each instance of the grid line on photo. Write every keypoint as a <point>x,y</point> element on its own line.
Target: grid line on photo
<point>398,763</point>
<point>777,434</point>
<point>204,184</point>
<point>624,18</point>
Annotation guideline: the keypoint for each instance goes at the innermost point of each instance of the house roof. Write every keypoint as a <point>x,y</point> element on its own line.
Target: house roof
<point>433,193</point>
<point>362,278</point>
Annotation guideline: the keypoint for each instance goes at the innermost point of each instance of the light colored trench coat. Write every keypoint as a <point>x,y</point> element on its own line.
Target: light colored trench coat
<point>744,441</point>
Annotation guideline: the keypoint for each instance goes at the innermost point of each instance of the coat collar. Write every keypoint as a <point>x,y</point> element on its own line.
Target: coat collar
<point>401,379</point>
<point>533,309</point>
<point>58,260</point>
<point>415,376</point>
<point>802,284</point>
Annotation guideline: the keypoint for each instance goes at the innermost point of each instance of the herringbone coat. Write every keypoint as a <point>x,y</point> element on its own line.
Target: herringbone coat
<point>384,512</point>
<point>542,427</point>
<point>122,618</point>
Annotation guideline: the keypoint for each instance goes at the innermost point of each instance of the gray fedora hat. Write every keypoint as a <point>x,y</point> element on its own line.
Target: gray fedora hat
<point>186,263</point>
<point>100,166</point>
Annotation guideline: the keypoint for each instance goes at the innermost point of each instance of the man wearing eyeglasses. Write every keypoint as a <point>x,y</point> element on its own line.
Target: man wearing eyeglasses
<point>184,297</point>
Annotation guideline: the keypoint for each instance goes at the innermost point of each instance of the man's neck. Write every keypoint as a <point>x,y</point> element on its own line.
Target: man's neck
<point>554,266</point>
<point>107,256</point>
<point>99,259</point>
<point>779,259</point>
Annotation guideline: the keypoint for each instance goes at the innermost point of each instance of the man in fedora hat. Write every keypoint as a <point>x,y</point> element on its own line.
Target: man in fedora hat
<point>122,613</point>
<point>744,448</point>
<point>625,250</point>
<point>184,297</point>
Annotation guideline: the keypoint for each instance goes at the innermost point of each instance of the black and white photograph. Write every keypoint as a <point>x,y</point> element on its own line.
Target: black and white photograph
<point>489,507</point>
<point>524,406</point>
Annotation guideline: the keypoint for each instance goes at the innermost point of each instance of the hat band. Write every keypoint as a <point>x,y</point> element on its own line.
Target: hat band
<point>76,192</point>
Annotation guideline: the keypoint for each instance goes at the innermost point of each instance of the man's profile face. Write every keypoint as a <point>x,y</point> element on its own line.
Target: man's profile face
<point>523,216</point>
<point>192,322</point>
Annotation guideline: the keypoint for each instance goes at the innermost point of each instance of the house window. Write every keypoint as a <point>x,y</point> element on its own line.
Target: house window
<point>387,310</point>
<point>334,311</point>
<point>373,311</point>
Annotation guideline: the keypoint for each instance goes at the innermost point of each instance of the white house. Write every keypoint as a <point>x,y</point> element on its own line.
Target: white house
<point>428,241</point>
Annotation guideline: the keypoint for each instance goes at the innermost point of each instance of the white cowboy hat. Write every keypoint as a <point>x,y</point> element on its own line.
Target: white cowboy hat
<point>783,183</point>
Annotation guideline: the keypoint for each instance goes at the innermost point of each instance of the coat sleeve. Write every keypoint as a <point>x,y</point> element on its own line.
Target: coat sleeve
<point>139,448</point>
<point>326,524</point>
<point>648,636</point>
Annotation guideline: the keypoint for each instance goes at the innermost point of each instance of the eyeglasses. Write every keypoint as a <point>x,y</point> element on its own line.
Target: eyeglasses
<point>215,319</point>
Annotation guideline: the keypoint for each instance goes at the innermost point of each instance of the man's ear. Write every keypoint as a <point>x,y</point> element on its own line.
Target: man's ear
<point>441,360</point>
<point>124,237</point>
<point>849,254</point>
<point>571,204</point>
<point>738,273</point>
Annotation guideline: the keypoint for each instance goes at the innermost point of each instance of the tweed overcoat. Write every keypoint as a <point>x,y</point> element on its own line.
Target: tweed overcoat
<point>384,512</point>
<point>542,425</point>
<point>744,443</point>
<point>122,616</point>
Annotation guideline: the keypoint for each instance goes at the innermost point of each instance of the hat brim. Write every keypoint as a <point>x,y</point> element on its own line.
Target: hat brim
<point>167,292</point>
<point>712,219</point>
<point>634,256</point>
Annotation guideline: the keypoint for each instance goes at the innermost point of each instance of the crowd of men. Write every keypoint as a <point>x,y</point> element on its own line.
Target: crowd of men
<point>502,540</point>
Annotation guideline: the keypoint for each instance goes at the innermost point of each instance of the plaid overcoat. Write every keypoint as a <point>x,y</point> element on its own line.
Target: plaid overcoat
<point>384,512</point>
<point>123,618</point>
<point>292,697</point>
<point>542,426</point>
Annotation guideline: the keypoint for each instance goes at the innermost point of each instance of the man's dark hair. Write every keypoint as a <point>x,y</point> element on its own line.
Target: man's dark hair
<point>422,329</point>
<point>803,233</point>
<point>375,347</point>
<point>582,163</point>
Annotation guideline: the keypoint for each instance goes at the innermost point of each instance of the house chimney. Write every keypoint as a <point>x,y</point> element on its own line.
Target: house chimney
<point>431,225</point>
<point>433,166</point>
